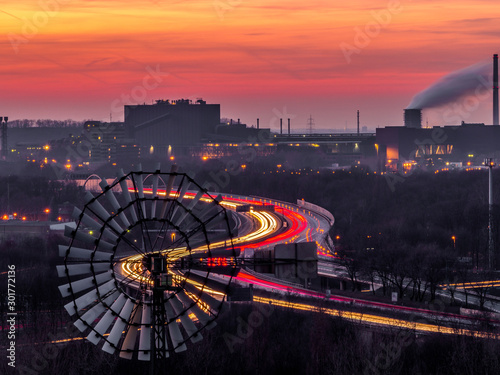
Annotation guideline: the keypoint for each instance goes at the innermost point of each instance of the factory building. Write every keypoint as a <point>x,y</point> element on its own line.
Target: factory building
<point>237,132</point>
<point>107,142</point>
<point>168,126</point>
<point>411,142</point>
<point>465,142</point>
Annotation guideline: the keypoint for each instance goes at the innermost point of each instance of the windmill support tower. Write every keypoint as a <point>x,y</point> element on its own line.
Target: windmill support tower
<point>158,315</point>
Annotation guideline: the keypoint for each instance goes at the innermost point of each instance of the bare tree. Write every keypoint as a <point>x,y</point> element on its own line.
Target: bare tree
<point>353,266</point>
<point>481,287</point>
<point>399,269</point>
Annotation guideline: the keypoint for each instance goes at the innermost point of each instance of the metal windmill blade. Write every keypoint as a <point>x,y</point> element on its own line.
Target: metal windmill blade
<point>140,268</point>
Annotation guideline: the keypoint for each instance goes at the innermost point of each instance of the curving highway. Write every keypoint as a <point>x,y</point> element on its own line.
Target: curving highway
<point>291,223</point>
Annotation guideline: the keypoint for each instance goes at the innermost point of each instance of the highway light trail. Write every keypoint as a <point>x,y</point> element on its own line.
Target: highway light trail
<point>378,320</point>
<point>267,233</point>
<point>473,284</point>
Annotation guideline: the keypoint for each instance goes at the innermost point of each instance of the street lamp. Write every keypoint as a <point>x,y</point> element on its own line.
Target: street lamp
<point>453,239</point>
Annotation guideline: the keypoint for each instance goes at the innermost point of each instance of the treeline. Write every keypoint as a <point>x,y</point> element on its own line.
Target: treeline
<point>280,341</point>
<point>410,233</point>
<point>35,260</point>
<point>373,211</point>
<point>416,273</point>
<point>32,195</point>
<point>45,123</point>
<point>289,342</point>
<point>41,319</point>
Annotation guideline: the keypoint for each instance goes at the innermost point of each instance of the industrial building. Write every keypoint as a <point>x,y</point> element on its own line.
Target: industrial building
<point>465,142</point>
<point>171,128</point>
<point>445,143</point>
<point>107,142</point>
<point>171,125</point>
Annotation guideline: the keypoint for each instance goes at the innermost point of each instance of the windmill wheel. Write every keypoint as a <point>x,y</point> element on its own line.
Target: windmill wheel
<point>148,266</point>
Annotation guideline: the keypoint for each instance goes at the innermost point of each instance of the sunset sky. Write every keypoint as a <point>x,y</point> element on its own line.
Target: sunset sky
<point>266,59</point>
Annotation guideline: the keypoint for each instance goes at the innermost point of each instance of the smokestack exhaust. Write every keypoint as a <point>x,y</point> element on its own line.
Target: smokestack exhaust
<point>413,118</point>
<point>495,89</point>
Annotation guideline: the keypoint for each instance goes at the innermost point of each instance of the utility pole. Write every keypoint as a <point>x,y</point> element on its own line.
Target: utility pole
<point>310,124</point>
<point>491,248</point>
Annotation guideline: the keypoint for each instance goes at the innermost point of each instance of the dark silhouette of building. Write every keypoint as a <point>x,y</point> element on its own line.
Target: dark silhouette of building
<point>175,124</point>
<point>398,143</point>
<point>107,142</point>
<point>413,118</point>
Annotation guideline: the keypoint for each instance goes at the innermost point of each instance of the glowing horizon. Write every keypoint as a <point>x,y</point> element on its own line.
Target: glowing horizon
<point>83,60</point>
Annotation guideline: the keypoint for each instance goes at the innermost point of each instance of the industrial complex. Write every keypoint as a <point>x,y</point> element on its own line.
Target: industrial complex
<point>182,128</point>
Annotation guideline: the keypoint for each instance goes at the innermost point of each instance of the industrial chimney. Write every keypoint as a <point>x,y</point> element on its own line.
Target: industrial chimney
<point>358,122</point>
<point>3,122</point>
<point>495,89</point>
<point>413,118</point>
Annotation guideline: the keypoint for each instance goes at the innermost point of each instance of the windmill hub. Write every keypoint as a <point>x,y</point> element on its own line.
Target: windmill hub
<point>156,264</point>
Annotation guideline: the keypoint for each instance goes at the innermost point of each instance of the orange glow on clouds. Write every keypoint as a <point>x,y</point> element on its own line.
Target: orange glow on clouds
<point>84,59</point>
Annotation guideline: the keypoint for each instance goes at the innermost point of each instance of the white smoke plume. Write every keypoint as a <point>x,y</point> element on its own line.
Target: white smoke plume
<point>469,81</point>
